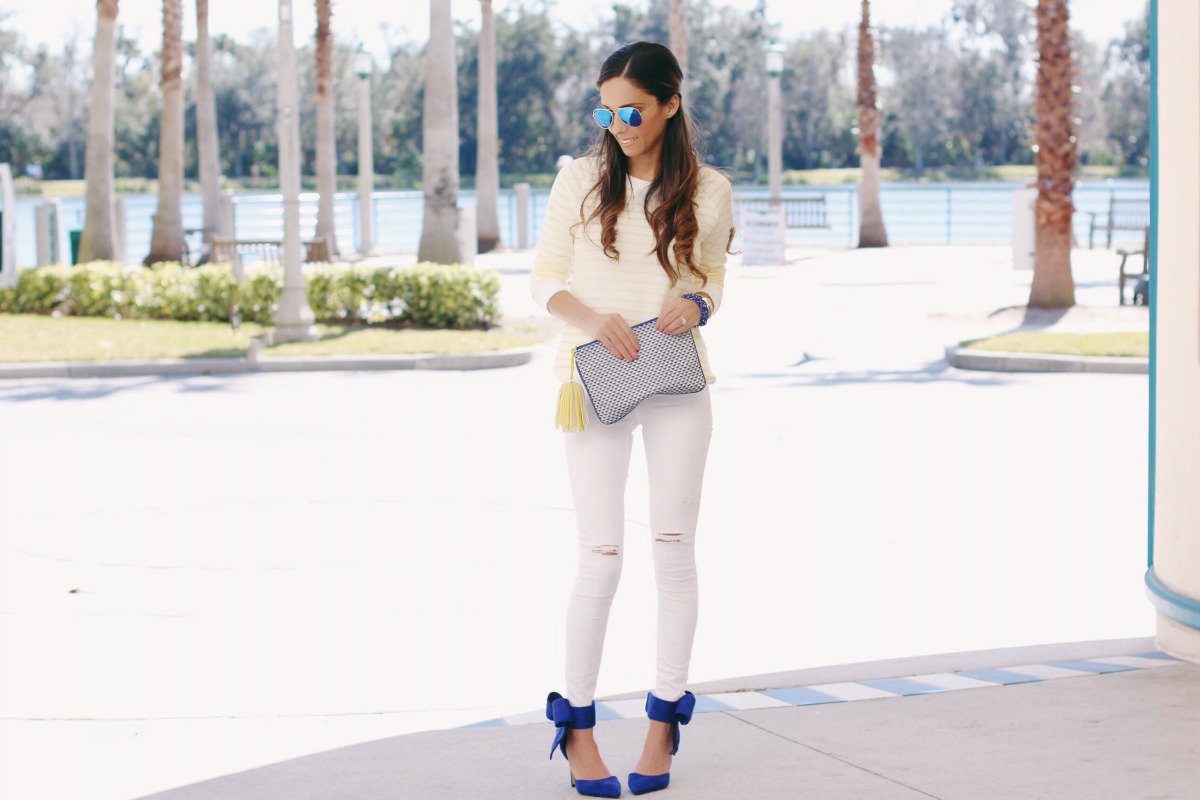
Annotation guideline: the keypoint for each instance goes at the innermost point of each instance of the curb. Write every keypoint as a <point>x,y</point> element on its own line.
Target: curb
<point>994,361</point>
<point>233,366</point>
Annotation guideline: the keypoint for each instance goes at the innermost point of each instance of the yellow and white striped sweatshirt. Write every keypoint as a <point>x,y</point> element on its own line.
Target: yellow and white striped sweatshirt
<point>570,256</point>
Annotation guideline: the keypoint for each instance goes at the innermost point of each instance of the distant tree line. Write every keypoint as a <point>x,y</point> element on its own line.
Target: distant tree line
<point>956,96</point>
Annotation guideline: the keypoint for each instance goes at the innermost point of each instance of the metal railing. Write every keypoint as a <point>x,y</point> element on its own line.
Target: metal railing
<point>963,213</point>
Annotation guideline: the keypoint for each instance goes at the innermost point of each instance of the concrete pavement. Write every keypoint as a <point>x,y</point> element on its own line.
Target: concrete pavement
<point>205,575</point>
<point>1055,731</point>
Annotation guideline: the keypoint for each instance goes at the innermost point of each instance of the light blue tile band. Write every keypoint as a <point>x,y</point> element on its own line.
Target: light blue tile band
<point>905,687</point>
<point>1184,610</point>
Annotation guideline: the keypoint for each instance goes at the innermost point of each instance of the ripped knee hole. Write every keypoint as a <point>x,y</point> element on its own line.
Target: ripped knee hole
<point>669,538</point>
<point>607,550</point>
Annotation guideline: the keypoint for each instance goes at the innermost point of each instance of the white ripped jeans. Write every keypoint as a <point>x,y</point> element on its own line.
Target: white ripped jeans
<point>675,432</point>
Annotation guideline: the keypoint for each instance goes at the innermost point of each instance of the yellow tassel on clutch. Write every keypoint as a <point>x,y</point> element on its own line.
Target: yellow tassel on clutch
<point>571,417</point>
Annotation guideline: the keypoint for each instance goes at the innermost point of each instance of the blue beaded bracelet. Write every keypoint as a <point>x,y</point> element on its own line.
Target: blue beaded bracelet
<point>703,306</point>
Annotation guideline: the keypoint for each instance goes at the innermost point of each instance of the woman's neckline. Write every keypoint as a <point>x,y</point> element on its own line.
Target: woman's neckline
<point>639,181</point>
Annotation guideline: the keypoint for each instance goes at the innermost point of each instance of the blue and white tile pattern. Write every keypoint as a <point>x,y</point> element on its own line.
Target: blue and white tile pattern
<point>849,692</point>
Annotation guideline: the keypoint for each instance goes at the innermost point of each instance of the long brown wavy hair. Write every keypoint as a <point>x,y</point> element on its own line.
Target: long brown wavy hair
<point>653,69</point>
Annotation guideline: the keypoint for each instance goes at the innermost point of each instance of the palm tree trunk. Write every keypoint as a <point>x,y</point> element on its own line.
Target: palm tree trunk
<point>326,147</point>
<point>439,240</point>
<point>166,238</point>
<point>98,240</point>
<point>293,317</point>
<point>206,129</point>
<point>487,164</point>
<point>871,231</point>
<point>1053,285</point>
<point>679,34</point>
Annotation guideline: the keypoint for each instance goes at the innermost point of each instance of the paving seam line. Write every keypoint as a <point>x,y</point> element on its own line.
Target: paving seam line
<point>835,757</point>
<point>853,691</point>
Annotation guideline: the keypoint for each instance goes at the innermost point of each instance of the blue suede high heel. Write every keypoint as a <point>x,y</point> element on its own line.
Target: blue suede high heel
<point>677,713</point>
<point>566,717</point>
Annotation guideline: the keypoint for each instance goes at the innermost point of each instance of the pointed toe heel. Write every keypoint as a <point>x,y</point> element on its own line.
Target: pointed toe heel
<point>676,713</point>
<point>641,784</point>
<point>605,787</point>
<point>567,717</point>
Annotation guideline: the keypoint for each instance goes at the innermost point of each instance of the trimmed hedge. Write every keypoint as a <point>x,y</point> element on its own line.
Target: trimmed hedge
<point>425,295</point>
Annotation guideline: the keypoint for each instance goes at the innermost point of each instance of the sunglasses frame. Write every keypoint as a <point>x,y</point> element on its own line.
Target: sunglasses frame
<point>627,114</point>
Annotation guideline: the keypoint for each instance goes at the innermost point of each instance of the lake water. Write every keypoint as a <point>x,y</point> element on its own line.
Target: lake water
<point>944,213</point>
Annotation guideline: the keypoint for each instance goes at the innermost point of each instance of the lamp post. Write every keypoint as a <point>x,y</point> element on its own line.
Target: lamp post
<point>294,317</point>
<point>366,152</point>
<point>774,123</point>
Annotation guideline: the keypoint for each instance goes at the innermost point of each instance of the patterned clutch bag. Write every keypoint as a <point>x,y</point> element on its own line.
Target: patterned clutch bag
<point>665,364</point>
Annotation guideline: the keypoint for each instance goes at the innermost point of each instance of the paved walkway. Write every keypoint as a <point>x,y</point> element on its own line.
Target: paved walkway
<point>1075,727</point>
<point>204,575</point>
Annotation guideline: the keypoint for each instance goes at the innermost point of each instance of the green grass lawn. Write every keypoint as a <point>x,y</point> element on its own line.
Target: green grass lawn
<point>27,337</point>
<point>1123,343</point>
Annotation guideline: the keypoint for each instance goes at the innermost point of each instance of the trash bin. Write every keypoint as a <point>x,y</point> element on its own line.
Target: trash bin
<point>75,235</point>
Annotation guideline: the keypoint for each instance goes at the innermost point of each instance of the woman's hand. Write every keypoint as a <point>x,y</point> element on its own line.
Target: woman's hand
<point>678,314</point>
<point>614,333</point>
<point>611,329</point>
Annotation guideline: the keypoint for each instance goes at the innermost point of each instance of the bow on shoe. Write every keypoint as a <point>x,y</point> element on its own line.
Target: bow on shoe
<point>565,717</point>
<point>678,712</point>
<point>558,711</point>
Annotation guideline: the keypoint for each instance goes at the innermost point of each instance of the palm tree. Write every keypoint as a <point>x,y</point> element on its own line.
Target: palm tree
<point>98,240</point>
<point>487,164</point>
<point>326,152</point>
<point>439,240</point>
<point>166,238</point>
<point>679,33</point>
<point>871,231</point>
<point>206,127</point>
<point>1053,286</point>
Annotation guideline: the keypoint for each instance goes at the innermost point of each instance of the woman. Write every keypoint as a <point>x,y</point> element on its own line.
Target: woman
<point>638,229</point>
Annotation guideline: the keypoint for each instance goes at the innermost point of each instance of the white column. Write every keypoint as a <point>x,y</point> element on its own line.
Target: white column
<point>523,214</point>
<point>366,167</point>
<point>294,317</point>
<point>8,231</point>
<point>118,228</point>
<point>225,221</point>
<point>44,226</point>
<point>774,140</point>
<point>468,242</point>
<point>1173,581</point>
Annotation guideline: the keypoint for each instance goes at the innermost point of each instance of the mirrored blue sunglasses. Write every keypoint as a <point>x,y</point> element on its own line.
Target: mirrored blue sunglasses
<point>630,116</point>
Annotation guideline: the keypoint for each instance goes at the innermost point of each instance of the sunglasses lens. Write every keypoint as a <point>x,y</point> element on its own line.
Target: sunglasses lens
<point>603,117</point>
<point>630,116</point>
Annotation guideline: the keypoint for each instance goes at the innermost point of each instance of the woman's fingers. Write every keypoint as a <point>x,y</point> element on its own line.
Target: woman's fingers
<point>677,317</point>
<point>629,340</point>
<point>619,338</point>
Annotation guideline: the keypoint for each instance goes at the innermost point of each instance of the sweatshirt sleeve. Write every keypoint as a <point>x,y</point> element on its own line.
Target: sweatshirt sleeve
<point>556,243</point>
<point>716,240</point>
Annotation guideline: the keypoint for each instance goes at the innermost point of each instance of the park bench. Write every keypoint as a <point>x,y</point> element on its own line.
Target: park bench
<point>798,212</point>
<point>268,251</point>
<point>1122,215</point>
<point>1139,292</point>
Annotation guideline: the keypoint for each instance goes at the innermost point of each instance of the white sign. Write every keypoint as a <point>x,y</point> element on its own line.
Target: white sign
<point>764,237</point>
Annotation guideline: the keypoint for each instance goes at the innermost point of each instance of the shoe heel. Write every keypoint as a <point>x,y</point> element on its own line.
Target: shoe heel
<point>566,718</point>
<point>675,713</point>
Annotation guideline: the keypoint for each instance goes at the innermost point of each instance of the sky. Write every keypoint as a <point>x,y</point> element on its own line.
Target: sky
<point>50,21</point>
